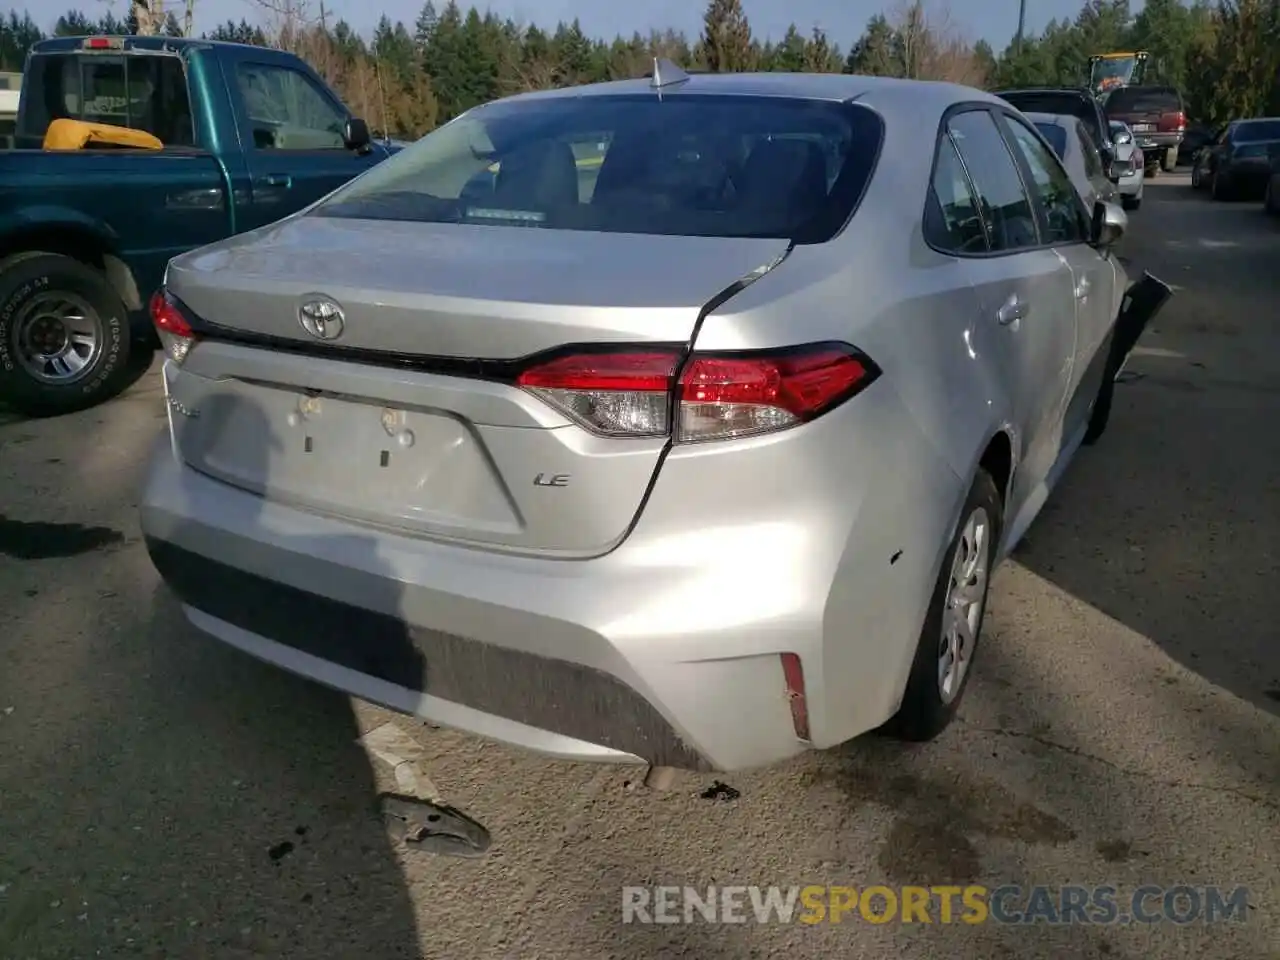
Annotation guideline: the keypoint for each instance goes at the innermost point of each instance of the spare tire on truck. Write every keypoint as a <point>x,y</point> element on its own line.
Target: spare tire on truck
<point>65,341</point>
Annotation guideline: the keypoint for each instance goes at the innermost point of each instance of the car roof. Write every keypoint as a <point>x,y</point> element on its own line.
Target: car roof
<point>879,92</point>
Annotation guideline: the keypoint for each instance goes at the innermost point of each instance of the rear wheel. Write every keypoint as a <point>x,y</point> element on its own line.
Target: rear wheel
<point>1169,161</point>
<point>1196,182</point>
<point>64,336</point>
<point>1131,203</point>
<point>1270,202</point>
<point>953,623</point>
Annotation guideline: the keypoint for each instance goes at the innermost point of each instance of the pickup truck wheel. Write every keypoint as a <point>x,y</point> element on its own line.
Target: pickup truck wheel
<point>1169,160</point>
<point>953,623</point>
<point>64,336</point>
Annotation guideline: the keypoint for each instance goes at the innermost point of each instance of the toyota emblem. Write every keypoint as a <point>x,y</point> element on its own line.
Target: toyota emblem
<point>322,318</point>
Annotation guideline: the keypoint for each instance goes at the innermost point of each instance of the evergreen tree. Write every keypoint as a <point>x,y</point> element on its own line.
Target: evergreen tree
<point>726,38</point>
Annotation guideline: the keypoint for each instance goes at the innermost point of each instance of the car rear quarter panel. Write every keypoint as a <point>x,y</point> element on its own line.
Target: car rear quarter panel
<point>937,404</point>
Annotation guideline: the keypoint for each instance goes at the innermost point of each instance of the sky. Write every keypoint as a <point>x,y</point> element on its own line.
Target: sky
<point>843,20</point>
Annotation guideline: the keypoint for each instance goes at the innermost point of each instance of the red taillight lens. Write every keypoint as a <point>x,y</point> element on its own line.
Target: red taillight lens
<point>719,396</point>
<point>1172,122</point>
<point>175,332</point>
<point>723,396</point>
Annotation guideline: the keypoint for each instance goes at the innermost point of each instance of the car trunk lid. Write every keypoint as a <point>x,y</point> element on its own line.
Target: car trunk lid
<point>409,419</point>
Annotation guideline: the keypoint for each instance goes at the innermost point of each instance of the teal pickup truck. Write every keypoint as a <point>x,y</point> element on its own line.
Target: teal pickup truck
<point>249,135</point>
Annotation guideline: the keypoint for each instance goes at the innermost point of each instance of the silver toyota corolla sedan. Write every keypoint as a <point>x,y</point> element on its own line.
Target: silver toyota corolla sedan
<point>680,420</point>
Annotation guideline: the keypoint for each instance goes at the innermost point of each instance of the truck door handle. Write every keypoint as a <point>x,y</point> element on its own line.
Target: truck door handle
<point>282,180</point>
<point>1014,309</point>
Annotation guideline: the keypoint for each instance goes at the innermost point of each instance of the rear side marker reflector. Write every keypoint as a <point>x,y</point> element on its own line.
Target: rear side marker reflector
<point>793,672</point>
<point>715,396</point>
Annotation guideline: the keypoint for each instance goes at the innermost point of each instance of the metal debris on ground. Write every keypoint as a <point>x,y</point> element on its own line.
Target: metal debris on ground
<point>434,827</point>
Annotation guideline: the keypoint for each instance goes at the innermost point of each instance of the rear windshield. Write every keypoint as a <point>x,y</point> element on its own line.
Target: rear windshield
<point>1065,104</point>
<point>1256,130</point>
<point>140,91</point>
<point>1056,136</point>
<point>1144,100</point>
<point>681,165</point>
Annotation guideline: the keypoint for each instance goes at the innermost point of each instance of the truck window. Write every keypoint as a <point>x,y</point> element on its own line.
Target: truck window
<point>139,91</point>
<point>287,111</point>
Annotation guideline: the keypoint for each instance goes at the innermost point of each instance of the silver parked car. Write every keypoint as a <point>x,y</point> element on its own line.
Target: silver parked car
<point>1130,164</point>
<point>679,420</point>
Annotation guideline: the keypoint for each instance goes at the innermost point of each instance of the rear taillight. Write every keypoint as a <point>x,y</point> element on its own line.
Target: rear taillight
<point>714,396</point>
<point>1174,122</point>
<point>175,332</point>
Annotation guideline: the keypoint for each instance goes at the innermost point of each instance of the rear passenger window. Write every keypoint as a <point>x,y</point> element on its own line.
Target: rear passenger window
<point>952,222</point>
<point>1002,199</point>
<point>1064,215</point>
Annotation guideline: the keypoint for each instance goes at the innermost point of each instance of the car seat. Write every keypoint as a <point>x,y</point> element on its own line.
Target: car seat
<point>537,177</point>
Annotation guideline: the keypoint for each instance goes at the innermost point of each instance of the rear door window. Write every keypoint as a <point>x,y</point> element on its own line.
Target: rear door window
<point>145,92</point>
<point>690,165</point>
<point>953,223</point>
<point>1005,205</point>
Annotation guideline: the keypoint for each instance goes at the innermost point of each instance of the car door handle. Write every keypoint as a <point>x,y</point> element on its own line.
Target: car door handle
<point>1082,288</point>
<point>282,180</point>
<point>1014,309</point>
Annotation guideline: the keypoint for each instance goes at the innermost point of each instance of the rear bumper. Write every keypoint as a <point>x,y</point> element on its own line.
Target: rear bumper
<point>1152,144</point>
<point>664,651</point>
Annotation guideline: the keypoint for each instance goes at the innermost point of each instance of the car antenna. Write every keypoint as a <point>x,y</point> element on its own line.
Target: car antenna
<point>666,74</point>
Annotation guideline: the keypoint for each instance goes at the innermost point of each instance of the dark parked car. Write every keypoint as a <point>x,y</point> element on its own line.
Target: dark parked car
<point>1157,117</point>
<point>1069,102</point>
<point>1237,163</point>
<point>1271,196</point>
<point>1198,136</point>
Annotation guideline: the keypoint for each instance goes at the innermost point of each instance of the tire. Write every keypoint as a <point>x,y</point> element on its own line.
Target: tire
<point>1196,182</point>
<point>926,709</point>
<point>1131,203</point>
<point>1270,203</point>
<point>1218,190</point>
<point>1169,160</point>
<point>1100,415</point>
<point>46,300</point>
